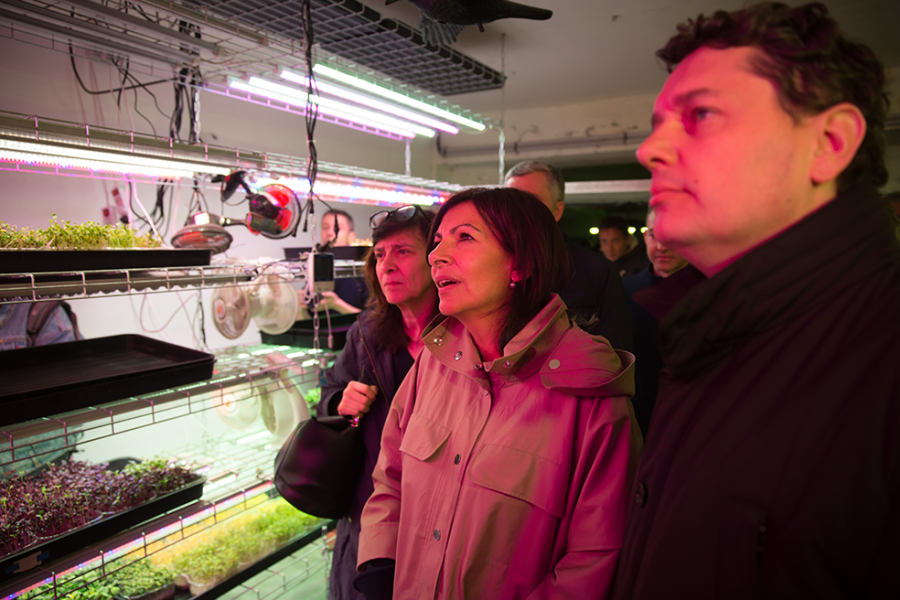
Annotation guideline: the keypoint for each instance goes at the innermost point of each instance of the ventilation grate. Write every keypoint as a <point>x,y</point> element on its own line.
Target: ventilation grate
<point>357,33</point>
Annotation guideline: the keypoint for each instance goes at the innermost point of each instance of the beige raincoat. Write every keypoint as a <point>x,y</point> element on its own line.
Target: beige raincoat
<point>507,479</point>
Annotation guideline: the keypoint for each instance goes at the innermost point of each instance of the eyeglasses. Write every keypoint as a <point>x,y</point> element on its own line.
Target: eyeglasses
<point>401,215</point>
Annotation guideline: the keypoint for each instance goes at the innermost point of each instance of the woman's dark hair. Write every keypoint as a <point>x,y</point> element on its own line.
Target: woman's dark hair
<point>383,318</point>
<point>812,66</point>
<point>527,230</point>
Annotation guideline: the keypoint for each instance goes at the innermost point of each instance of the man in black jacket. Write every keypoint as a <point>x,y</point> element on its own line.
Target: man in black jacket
<point>773,469</point>
<point>594,293</point>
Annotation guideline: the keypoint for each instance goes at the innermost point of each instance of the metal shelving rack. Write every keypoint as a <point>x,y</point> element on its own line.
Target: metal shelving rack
<point>17,288</point>
<point>238,466</point>
<point>236,368</point>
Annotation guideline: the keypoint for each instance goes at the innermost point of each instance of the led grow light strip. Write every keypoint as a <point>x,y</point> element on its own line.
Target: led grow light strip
<point>370,102</point>
<point>396,97</point>
<point>355,192</point>
<point>50,152</point>
<point>332,108</point>
<point>89,165</point>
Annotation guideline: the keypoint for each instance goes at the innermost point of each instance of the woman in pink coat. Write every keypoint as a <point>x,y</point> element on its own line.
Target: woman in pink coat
<point>509,449</point>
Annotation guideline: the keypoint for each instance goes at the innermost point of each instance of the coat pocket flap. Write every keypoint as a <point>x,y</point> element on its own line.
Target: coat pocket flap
<point>423,437</point>
<point>529,477</point>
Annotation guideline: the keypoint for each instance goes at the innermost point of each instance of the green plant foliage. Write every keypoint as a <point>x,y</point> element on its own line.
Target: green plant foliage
<point>69,236</point>
<point>219,552</point>
<point>140,578</point>
<point>312,397</point>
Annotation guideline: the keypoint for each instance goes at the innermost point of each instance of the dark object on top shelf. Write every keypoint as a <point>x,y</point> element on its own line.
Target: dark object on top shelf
<point>97,531</point>
<point>442,20</point>
<point>47,380</point>
<point>54,261</point>
<point>357,33</point>
<point>301,334</point>
<point>339,252</point>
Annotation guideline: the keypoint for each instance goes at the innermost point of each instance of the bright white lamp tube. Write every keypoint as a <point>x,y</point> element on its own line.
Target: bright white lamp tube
<point>370,102</point>
<point>123,160</point>
<point>396,97</point>
<point>90,165</point>
<point>297,97</point>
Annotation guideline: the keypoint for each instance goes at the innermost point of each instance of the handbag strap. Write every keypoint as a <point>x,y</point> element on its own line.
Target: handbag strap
<point>362,336</point>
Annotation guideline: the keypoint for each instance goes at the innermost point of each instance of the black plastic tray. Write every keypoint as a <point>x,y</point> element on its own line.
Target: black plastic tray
<point>49,261</point>
<point>48,380</point>
<point>97,531</point>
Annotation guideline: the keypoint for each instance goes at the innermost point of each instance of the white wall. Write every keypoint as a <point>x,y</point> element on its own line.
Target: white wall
<point>579,121</point>
<point>40,82</point>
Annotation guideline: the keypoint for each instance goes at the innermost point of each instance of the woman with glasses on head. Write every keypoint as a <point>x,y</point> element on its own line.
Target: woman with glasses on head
<point>508,453</point>
<point>380,349</point>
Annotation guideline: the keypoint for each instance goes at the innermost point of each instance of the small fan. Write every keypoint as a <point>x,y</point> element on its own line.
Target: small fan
<point>238,407</point>
<point>273,304</point>
<point>282,404</point>
<point>231,311</point>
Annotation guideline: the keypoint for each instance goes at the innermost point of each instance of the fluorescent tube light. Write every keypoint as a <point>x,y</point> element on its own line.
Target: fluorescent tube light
<point>370,102</point>
<point>252,89</point>
<point>354,192</point>
<point>396,97</point>
<point>99,160</point>
<point>290,95</point>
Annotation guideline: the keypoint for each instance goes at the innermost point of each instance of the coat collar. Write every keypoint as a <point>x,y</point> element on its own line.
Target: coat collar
<point>550,345</point>
<point>830,251</point>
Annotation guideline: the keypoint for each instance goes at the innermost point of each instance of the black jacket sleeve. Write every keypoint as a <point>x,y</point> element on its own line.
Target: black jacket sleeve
<point>345,369</point>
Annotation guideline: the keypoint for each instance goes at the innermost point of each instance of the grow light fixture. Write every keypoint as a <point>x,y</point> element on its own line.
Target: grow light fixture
<point>101,160</point>
<point>370,102</point>
<point>396,96</point>
<point>335,108</point>
<point>355,192</point>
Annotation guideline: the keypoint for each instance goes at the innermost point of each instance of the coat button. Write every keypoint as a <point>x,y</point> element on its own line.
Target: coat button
<point>554,364</point>
<point>479,366</point>
<point>457,459</point>
<point>640,494</point>
<point>507,364</point>
<point>458,355</point>
<point>437,535</point>
<point>438,341</point>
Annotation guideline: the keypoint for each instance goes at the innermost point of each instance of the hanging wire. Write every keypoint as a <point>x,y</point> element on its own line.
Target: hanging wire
<point>502,108</point>
<point>408,158</point>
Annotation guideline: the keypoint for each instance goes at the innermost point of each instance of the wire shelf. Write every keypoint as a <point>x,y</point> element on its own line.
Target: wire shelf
<point>18,288</point>
<point>32,128</point>
<point>22,446</point>
<point>157,536</point>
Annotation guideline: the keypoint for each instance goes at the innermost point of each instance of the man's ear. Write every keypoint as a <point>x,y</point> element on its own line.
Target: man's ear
<point>558,210</point>
<point>840,131</point>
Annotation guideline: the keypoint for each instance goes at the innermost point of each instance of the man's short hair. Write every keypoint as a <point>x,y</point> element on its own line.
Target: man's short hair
<point>341,213</point>
<point>557,183</point>
<point>615,223</point>
<point>812,66</point>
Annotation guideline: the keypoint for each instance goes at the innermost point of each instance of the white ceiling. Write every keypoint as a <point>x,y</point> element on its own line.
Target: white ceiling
<point>596,49</point>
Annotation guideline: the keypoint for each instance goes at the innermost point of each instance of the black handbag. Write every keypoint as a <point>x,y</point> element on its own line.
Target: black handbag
<point>317,469</point>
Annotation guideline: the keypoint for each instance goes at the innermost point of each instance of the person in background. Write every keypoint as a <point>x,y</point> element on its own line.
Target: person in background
<point>507,454</point>
<point>593,293</point>
<point>37,324</point>
<point>380,349</point>
<point>773,466</point>
<point>620,247</point>
<point>648,357</point>
<point>337,229</point>
<point>350,293</point>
